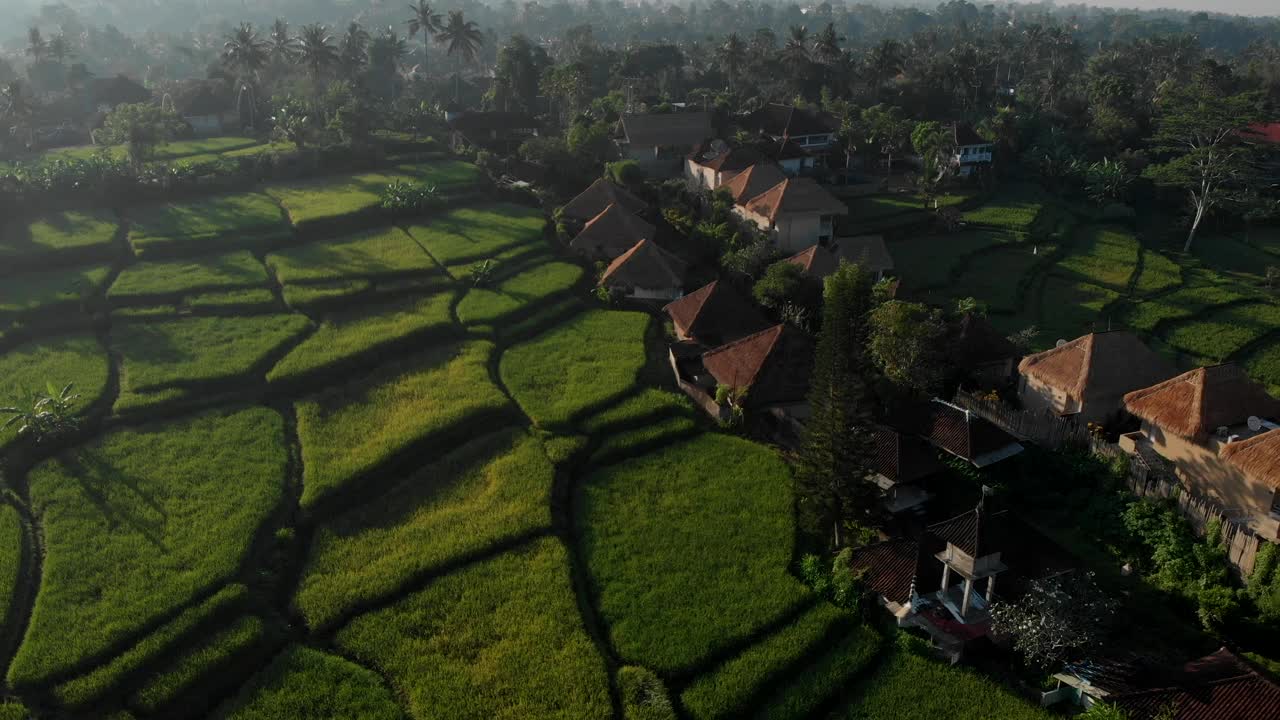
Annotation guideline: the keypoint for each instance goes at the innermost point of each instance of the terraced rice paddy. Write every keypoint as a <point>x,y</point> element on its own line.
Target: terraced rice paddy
<point>311,203</point>
<point>156,282</point>
<point>56,360</point>
<point>215,224</point>
<point>78,236</point>
<point>306,684</point>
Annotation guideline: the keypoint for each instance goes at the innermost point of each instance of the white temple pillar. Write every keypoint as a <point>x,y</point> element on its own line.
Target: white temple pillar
<point>964,604</point>
<point>991,588</point>
<point>946,576</point>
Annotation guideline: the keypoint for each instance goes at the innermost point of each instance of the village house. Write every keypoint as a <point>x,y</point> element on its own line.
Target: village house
<point>611,233</point>
<point>500,132</point>
<point>983,356</point>
<point>660,143</point>
<point>208,111</point>
<point>715,163</point>
<point>1088,377</point>
<point>753,181</point>
<point>597,198</point>
<point>796,213</point>
<point>645,272</point>
<point>713,315</point>
<point>956,431</point>
<point>793,159</point>
<point>106,93</point>
<point>867,251</point>
<point>813,133</point>
<point>1193,419</point>
<point>972,152</point>
<point>899,465</point>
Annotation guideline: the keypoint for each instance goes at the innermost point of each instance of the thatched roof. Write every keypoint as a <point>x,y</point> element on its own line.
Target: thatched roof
<point>597,198</point>
<point>612,233</point>
<point>1258,457</point>
<point>1098,366</point>
<point>1196,403</point>
<point>645,266</point>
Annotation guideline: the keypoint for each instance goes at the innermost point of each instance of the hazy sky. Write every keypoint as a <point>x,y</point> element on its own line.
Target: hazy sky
<point>1238,7</point>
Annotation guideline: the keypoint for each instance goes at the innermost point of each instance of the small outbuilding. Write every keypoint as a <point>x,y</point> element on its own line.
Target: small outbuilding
<point>646,272</point>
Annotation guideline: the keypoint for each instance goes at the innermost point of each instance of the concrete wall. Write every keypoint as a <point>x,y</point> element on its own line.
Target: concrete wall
<point>1198,465</point>
<point>700,177</point>
<point>1038,397</point>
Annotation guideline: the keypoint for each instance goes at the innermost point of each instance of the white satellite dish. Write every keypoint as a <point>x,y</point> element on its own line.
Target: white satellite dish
<point>1061,343</point>
<point>1255,423</point>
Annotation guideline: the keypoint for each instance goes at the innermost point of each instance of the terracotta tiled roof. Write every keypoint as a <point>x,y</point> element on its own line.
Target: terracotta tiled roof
<point>715,314</point>
<point>976,342</point>
<point>599,196</point>
<point>612,233</point>
<point>868,251</point>
<point>1098,366</point>
<point>958,432</point>
<point>1266,132</point>
<point>734,160</point>
<point>753,181</point>
<point>795,195</point>
<point>773,365</point>
<point>686,129</point>
<point>1258,457</point>
<point>890,567</point>
<point>1217,687</point>
<point>645,266</point>
<point>1196,403</point>
<point>902,458</point>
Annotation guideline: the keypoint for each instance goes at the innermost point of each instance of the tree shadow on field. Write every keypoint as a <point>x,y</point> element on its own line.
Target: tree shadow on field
<point>94,474</point>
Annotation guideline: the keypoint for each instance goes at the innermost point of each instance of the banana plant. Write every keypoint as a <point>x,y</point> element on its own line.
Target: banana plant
<point>44,416</point>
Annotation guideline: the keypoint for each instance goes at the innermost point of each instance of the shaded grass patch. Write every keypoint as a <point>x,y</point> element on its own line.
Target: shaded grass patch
<point>83,235</point>
<point>381,253</point>
<point>214,224</point>
<point>30,367</point>
<point>306,684</point>
<point>463,237</point>
<point>149,282</point>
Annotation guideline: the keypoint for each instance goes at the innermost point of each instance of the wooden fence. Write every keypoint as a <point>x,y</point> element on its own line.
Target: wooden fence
<point>1148,477</point>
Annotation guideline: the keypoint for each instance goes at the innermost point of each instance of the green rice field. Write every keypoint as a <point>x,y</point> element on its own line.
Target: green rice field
<point>10,555</point>
<point>216,224</point>
<point>311,203</point>
<point>57,360</point>
<point>463,237</point>
<point>385,252</point>
<point>154,282</point>
<point>306,684</point>
<point>84,236</point>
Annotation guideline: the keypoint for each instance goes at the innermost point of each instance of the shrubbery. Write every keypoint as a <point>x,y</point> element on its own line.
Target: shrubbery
<point>407,197</point>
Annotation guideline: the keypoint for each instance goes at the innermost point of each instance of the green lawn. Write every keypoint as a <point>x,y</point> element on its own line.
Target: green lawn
<point>348,431</point>
<point>644,696</point>
<point>141,521</point>
<point>1192,300</point>
<point>650,417</point>
<point>366,330</point>
<point>1102,255</point>
<point>380,253</point>
<point>31,367</point>
<point>305,684</point>
<point>909,686</point>
<point>826,676</point>
<point>498,640</point>
<point>1013,207</point>
<point>1158,273</point>
<point>210,225</point>
<point>582,363</point>
<point>1216,335</point>
<point>1264,365</point>
<point>152,282</point>
<point>495,488</point>
<point>994,277</point>
<point>10,555</point>
<point>926,261</point>
<point>728,691</point>
<point>89,688</point>
<point>330,294</point>
<point>250,300</point>
<point>488,309</point>
<point>1070,309</point>
<point>54,292</point>
<point>213,656</point>
<point>689,548</point>
<point>311,203</point>
<point>173,360</point>
<point>86,235</point>
<point>465,236</point>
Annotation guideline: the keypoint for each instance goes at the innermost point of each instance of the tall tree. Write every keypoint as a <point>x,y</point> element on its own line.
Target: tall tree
<point>423,19</point>
<point>796,50</point>
<point>59,48</point>
<point>244,53</point>
<point>317,51</point>
<point>462,39</point>
<point>826,45</point>
<point>883,62</point>
<point>37,47</point>
<point>1199,131</point>
<point>353,50</point>
<point>836,448</point>
<point>907,344</point>
<point>282,47</point>
<point>732,55</point>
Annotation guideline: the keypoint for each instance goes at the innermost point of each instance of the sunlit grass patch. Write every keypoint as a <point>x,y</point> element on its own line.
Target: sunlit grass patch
<point>486,308</point>
<point>1264,365</point>
<point>349,430</point>
<point>498,640</point>
<point>343,336</point>
<point>310,203</point>
<point>141,521</point>
<point>32,366</point>
<point>1216,335</point>
<point>213,224</point>
<point>492,489</point>
<point>231,302</point>
<point>166,360</point>
<point>1179,304</point>
<point>334,293</point>
<point>306,684</point>
<point>1014,207</point>
<point>211,656</point>
<point>689,547</point>
<point>1102,255</point>
<point>586,361</point>
<point>87,235</point>
<point>1158,273</point>
<point>149,282</point>
<point>381,253</point>
<point>10,555</point>
<point>465,236</point>
<point>827,675</point>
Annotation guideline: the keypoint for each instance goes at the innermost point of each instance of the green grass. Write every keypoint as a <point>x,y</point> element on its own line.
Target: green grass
<point>1234,258</point>
<point>652,416</point>
<point>1147,315</point>
<point>89,688</point>
<point>1102,255</point>
<point>350,430</point>
<point>140,522</point>
<point>1267,239</point>
<point>584,362</point>
<point>30,367</point>
<point>214,224</point>
<point>1264,365</point>
<point>10,556</point>
<point>173,360</point>
<point>310,203</point>
<point>1070,309</point>
<point>1014,207</point>
<point>343,336</point>
<point>87,234</point>
<point>499,640</point>
<point>909,686</point>
<point>157,281</point>
<point>251,300</point>
<point>995,277</point>
<point>823,678</point>
<point>54,291</point>
<point>487,309</point>
<point>212,656</point>
<point>306,684</point>
<point>1216,335</point>
<point>13,710</point>
<point>927,261</point>
<point>465,236</point>
<point>689,548</point>
<point>726,691</point>
<point>306,298</point>
<point>875,207</point>
<point>381,253</point>
<point>1158,273</point>
<point>493,489</point>
<point>644,697</point>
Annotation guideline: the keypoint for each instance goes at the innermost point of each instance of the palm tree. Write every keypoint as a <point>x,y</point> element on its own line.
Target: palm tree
<point>244,52</point>
<point>354,50</point>
<point>385,54</point>
<point>37,48</point>
<point>424,19</point>
<point>316,50</point>
<point>826,45</point>
<point>884,62</point>
<point>59,49</point>
<point>732,55</point>
<point>796,51</point>
<point>463,38</point>
<point>282,48</point>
